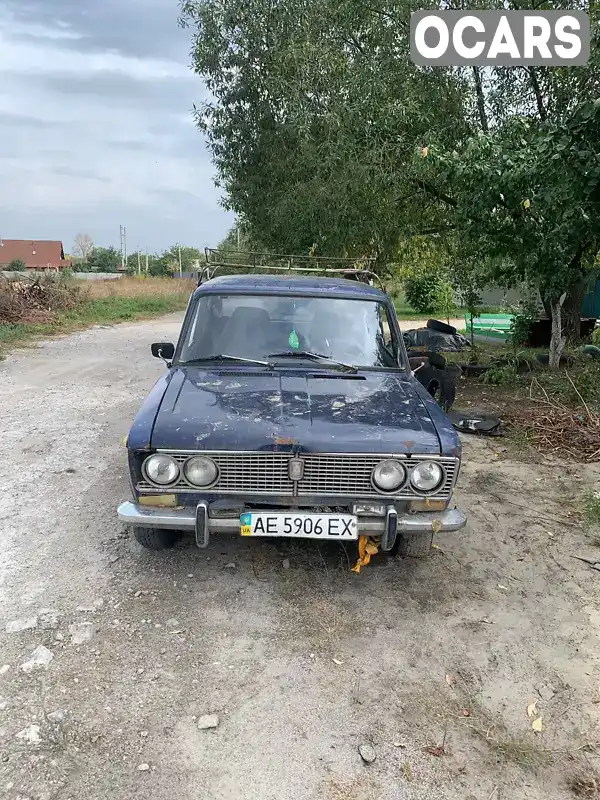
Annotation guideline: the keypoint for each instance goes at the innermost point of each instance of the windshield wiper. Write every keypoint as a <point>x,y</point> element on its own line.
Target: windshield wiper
<point>225,357</point>
<point>314,357</point>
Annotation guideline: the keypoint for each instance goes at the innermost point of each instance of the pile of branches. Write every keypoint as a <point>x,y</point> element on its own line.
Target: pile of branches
<point>554,428</point>
<point>36,300</point>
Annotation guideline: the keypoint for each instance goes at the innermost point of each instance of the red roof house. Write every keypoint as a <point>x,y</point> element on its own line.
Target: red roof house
<point>43,254</point>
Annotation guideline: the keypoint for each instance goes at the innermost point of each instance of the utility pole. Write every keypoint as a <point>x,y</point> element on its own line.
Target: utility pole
<point>180,269</point>
<point>146,260</point>
<point>238,235</point>
<point>139,260</point>
<point>122,236</point>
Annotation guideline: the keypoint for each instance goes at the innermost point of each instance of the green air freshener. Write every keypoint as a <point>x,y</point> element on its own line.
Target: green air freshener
<point>293,340</point>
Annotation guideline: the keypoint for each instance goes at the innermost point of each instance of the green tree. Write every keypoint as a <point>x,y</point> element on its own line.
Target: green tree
<point>530,195</point>
<point>190,257</point>
<point>316,114</point>
<point>136,262</point>
<point>104,259</point>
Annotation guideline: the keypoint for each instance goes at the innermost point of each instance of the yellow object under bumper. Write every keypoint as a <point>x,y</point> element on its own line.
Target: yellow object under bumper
<point>367,546</point>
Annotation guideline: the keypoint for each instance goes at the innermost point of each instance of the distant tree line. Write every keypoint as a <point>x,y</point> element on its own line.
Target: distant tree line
<point>88,257</point>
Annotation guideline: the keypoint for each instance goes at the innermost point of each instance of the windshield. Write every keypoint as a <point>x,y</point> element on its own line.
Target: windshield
<point>357,332</point>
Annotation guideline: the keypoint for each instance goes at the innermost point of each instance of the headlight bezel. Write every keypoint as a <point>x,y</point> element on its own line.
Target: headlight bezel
<point>397,488</point>
<point>154,482</point>
<point>200,485</point>
<point>438,485</point>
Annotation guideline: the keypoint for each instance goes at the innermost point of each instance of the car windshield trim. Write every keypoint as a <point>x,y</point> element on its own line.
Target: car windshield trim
<point>313,357</point>
<point>226,357</point>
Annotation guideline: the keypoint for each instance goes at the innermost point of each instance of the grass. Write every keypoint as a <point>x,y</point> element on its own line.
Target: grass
<point>584,374</point>
<point>592,507</point>
<point>107,303</point>
<point>522,748</point>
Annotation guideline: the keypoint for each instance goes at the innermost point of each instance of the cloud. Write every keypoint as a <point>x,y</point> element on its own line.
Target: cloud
<point>96,125</point>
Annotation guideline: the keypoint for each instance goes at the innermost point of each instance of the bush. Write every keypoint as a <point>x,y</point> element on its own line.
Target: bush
<point>524,315</point>
<point>504,375</point>
<point>428,293</point>
<point>16,265</point>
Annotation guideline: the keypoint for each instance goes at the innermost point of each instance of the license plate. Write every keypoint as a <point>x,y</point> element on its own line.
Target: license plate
<point>301,526</point>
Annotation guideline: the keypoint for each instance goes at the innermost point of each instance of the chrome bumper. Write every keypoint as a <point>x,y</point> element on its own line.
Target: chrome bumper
<point>187,519</point>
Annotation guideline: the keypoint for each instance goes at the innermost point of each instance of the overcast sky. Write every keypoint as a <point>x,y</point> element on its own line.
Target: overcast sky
<point>96,129</point>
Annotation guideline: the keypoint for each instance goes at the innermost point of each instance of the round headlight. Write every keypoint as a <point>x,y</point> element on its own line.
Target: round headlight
<point>426,476</point>
<point>161,469</point>
<point>389,475</point>
<point>200,471</point>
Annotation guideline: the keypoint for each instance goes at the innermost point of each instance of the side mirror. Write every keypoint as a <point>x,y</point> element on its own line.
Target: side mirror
<point>164,350</point>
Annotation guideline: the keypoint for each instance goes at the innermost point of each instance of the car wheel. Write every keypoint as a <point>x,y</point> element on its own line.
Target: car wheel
<point>436,325</point>
<point>156,538</point>
<point>413,544</point>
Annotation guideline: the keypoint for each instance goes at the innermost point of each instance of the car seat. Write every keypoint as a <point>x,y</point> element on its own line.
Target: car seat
<point>245,333</point>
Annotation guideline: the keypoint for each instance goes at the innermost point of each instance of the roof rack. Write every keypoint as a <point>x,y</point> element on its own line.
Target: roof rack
<point>234,261</point>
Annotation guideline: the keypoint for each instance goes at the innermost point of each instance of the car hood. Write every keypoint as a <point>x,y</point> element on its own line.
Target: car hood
<point>319,412</point>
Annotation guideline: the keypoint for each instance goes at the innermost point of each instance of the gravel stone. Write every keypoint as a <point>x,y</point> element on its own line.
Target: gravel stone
<point>31,734</point>
<point>24,624</point>
<point>81,632</point>
<point>367,752</point>
<point>39,659</point>
<point>208,721</point>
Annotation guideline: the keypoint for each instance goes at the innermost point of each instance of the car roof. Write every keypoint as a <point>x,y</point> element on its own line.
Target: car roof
<point>299,285</point>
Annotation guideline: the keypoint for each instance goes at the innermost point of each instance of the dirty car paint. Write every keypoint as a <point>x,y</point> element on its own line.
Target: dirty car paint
<point>141,429</point>
<point>219,410</point>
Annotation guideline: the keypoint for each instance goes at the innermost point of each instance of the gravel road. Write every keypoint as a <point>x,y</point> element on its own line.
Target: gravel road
<point>110,656</point>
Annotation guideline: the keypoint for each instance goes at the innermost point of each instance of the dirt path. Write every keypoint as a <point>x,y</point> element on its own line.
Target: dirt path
<point>303,664</point>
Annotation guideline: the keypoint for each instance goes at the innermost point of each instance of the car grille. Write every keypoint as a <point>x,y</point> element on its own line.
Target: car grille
<point>325,474</point>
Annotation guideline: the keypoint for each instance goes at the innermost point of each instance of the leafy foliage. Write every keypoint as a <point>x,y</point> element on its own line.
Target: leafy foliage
<point>104,259</point>
<point>326,137</point>
<point>16,265</point>
<point>316,112</point>
<point>530,195</point>
<point>524,315</point>
<point>426,292</point>
<point>503,375</point>
<point>166,263</point>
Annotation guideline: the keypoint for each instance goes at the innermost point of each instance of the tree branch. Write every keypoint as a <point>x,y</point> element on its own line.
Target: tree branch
<point>480,100</point>
<point>353,40</point>
<point>535,85</point>
<point>430,231</point>
<point>435,192</point>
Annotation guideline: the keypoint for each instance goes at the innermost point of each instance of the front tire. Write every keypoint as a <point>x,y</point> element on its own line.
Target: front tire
<point>414,545</point>
<point>156,538</point>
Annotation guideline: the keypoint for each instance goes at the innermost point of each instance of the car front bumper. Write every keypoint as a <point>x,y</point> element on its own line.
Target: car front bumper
<point>200,521</point>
